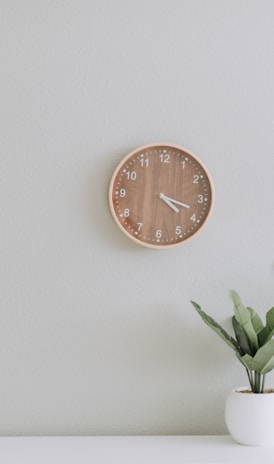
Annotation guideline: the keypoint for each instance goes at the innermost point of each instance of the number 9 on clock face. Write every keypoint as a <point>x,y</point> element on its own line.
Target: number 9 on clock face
<point>160,195</point>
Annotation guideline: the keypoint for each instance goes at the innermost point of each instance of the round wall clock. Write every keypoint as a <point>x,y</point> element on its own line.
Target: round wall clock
<point>160,195</point>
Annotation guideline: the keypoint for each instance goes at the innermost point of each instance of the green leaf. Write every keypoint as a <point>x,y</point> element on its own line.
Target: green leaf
<point>256,320</point>
<point>246,360</point>
<point>270,319</point>
<point>243,316</point>
<point>268,331</point>
<point>241,337</point>
<point>263,336</point>
<point>217,328</point>
<point>263,361</point>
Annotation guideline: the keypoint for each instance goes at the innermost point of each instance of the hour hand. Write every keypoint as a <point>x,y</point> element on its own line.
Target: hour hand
<point>169,203</point>
<point>172,200</point>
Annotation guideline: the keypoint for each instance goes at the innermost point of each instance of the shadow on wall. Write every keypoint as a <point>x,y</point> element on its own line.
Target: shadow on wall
<point>99,219</point>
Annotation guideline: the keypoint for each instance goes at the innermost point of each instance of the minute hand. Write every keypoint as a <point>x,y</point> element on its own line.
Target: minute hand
<point>175,201</point>
<point>169,203</point>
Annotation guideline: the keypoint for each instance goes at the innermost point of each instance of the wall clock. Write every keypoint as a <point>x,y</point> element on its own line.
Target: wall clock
<point>160,195</point>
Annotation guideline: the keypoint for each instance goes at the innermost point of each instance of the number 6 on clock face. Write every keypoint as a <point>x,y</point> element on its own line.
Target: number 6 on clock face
<point>160,195</point>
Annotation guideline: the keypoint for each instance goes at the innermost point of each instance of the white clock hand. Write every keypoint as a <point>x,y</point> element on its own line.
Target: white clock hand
<point>168,202</point>
<point>174,201</point>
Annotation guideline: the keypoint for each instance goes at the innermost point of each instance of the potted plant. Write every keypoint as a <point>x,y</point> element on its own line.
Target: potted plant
<point>249,411</point>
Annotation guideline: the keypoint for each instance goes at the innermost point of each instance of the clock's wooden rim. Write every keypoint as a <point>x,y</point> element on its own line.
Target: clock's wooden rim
<point>124,160</point>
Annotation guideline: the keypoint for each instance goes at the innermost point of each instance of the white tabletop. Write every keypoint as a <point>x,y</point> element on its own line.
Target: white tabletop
<point>130,450</point>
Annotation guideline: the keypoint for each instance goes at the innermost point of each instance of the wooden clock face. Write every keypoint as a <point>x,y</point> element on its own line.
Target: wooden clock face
<point>160,195</point>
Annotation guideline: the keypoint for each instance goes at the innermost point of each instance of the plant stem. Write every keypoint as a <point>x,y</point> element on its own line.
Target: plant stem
<point>263,381</point>
<point>253,388</point>
<point>249,375</point>
<point>257,382</point>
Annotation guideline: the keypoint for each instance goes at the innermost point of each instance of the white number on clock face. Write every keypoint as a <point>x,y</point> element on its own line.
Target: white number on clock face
<point>160,195</point>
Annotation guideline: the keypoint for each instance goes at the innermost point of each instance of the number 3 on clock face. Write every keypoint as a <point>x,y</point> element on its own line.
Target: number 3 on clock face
<point>160,195</point>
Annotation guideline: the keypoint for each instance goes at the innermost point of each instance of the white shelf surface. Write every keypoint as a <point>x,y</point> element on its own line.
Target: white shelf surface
<point>131,450</point>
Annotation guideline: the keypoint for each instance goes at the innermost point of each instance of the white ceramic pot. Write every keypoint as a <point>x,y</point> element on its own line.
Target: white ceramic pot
<point>250,417</point>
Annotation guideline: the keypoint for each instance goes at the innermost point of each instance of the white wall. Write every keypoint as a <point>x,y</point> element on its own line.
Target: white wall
<point>97,335</point>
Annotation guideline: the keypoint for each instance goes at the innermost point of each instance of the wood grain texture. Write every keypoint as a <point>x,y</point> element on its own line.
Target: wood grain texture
<point>160,195</point>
